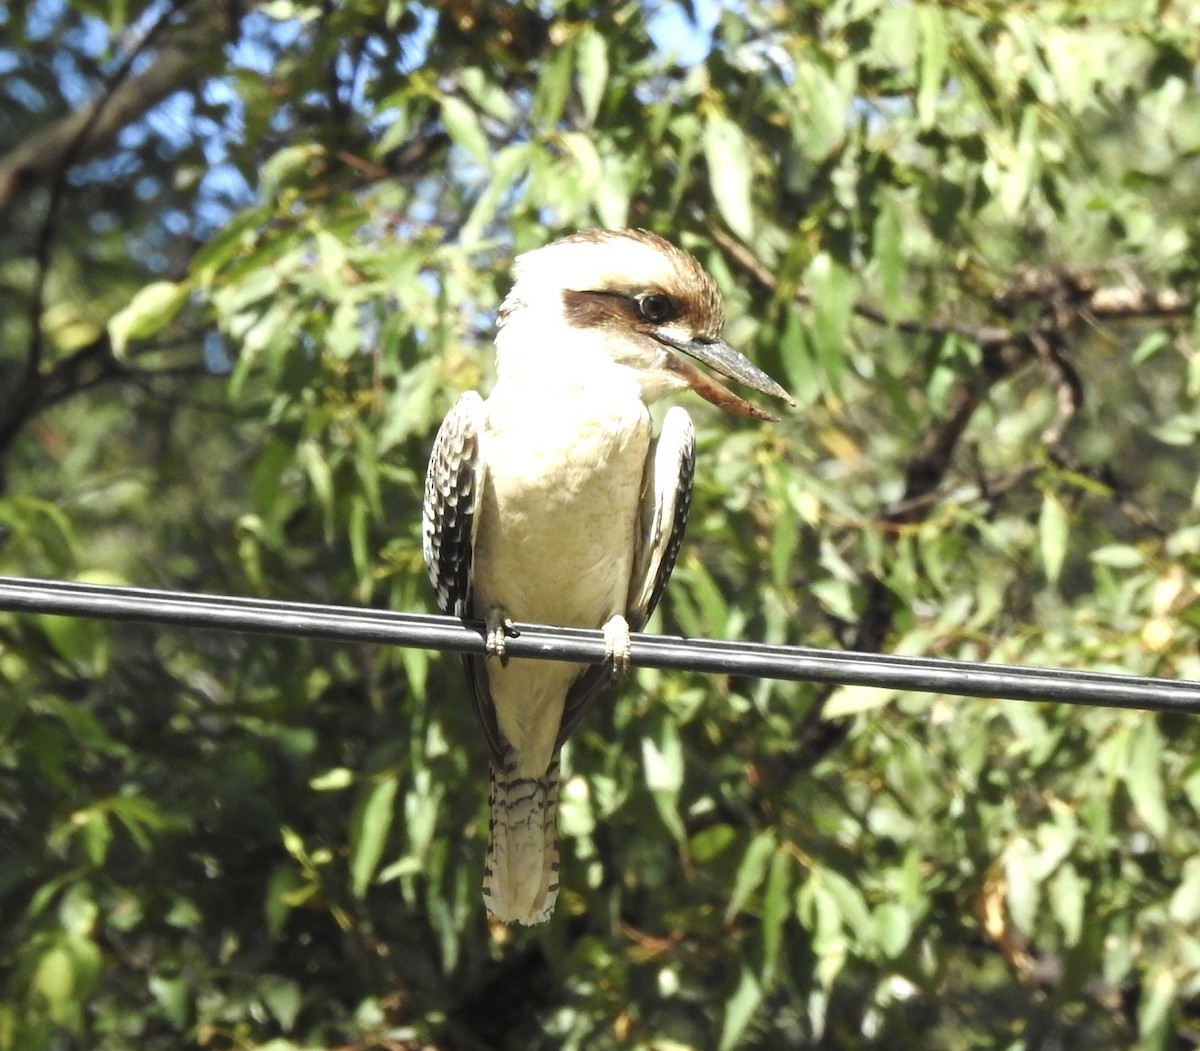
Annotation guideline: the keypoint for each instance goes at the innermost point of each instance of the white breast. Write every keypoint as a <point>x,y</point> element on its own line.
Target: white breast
<point>560,505</point>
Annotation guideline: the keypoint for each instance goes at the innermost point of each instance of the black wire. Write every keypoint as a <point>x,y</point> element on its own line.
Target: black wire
<point>759,660</point>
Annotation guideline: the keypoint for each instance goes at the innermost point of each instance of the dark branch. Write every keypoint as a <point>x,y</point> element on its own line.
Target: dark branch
<point>45,156</point>
<point>1059,301</point>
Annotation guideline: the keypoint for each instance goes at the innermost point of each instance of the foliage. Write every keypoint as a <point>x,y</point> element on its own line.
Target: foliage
<point>963,234</point>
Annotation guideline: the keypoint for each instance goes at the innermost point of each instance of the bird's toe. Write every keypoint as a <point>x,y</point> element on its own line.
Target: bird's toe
<point>617,648</point>
<point>499,627</point>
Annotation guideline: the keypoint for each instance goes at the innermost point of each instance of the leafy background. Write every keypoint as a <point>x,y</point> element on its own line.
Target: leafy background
<point>249,253</point>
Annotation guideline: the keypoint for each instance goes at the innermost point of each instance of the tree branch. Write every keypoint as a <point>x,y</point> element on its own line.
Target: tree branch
<point>1060,301</point>
<point>93,128</point>
<point>45,159</point>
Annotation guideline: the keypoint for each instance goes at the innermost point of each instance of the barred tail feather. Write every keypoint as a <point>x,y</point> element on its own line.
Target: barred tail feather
<point>520,878</point>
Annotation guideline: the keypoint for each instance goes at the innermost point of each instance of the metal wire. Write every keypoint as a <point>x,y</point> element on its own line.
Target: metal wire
<point>758,660</point>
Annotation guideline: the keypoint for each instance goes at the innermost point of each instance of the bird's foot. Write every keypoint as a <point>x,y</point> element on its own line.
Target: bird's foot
<point>499,629</point>
<point>617,649</point>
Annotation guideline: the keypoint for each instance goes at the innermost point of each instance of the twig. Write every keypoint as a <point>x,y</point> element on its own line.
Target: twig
<point>44,243</point>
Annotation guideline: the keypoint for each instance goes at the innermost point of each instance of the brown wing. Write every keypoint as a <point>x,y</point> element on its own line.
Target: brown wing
<point>453,488</point>
<point>666,499</point>
<point>453,484</point>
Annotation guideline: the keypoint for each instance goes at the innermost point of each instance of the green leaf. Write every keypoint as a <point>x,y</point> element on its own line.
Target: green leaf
<point>613,192</point>
<point>740,1009</point>
<point>343,334</point>
<point>279,899</point>
<point>464,128</point>
<point>97,835</point>
<point>831,288</point>
<point>82,643</point>
<point>553,88</point>
<point>934,51</point>
<point>1023,880</point>
<point>851,904</point>
<point>1144,777</point>
<point>285,168</point>
<point>68,328</point>
<point>1066,894</point>
<point>1118,556</point>
<point>851,700</point>
<point>777,907</point>
<point>225,246</point>
<point>89,962</point>
<point>750,872</point>
<point>173,998</point>
<point>1053,532</point>
<point>821,913</point>
<point>893,925</point>
<point>78,911</point>
<point>836,597</point>
<point>338,777</point>
<point>727,154</point>
<point>54,980</point>
<point>310,456</point>
<point>1154,341</point>
<point>592,65</point>
<point>1184,908</point>
<point>282,999</point>
<point>369,832</point>
<point>889,254</point>
<point>140,817</point>
<point>421,809</point>
<point>506,168</point>
<point>663,765</point>
<point>710,603</point>
<point>260,283</point>
<point>395,135</point>
<point>491,97</point>
<point>149,312</point>
<point>1156,1007</point>
<point>819,120</point>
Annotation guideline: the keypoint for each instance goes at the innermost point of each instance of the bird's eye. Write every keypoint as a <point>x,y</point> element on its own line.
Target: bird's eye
<point>656,308</point>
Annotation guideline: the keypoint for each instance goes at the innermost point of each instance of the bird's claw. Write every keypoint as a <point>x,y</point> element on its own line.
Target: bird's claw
<point>617,648</point>
<point>500,628</point>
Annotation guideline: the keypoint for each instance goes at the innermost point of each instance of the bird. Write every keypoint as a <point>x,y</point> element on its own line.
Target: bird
<point>552,502</point>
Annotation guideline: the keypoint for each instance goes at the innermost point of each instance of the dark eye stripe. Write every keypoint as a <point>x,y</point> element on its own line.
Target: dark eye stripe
<point>596,309</point>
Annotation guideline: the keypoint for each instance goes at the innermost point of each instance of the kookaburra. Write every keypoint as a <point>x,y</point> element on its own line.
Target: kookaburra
<point>552,502</point>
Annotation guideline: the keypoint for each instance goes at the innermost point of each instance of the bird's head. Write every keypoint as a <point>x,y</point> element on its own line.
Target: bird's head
<point>630,298</point>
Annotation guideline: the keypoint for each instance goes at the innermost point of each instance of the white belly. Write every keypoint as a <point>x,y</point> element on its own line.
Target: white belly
<point>560,506</point>
<point>555,542</point>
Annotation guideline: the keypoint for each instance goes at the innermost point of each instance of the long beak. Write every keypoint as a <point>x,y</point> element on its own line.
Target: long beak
<point>722,358</point>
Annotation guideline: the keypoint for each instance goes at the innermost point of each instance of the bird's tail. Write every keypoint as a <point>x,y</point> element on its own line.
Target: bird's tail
<point>520,879</point>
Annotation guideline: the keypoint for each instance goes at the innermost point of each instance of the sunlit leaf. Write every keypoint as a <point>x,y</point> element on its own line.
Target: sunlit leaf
<point>1053,531</point>
<point>592,51</point>
<point>464,128</point>
<point>149,312</point>
<point>1023,877</point>
<point>751,872</point>
<point>727,154</point>
<point>1144,777</point>
<point>850,700</point>
<point>54,981</point>
<point>777,905</point>
<point>934,48</point>
<point>739,1010</point>
<point>369,832</point>
<point>173,998</point>
<point>1067,898</point>
<point>831,288</point>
